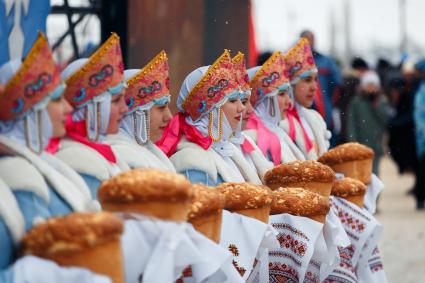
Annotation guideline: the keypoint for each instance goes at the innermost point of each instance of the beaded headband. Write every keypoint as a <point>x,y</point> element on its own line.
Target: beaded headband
<point>212,88</point>
<point>299,60</point>
<point>240,72</point>
<point>37,77</point>
<point>104,71</point>
<point>268,78</point>
<point>149,84</point>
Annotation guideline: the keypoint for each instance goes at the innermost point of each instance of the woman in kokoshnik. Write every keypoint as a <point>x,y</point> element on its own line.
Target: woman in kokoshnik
<point>147,97</point>
<point>250,150</point>
<point>95,88</point>
<point>305,126</point>
<point>198,138</point>
<point>34,185</point>
<point>268,82</point>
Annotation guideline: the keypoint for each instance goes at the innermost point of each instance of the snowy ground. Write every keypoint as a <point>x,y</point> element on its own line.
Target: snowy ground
<point>403,242</point>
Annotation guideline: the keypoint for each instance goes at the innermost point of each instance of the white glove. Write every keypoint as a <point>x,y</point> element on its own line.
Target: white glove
<point>31,269</point>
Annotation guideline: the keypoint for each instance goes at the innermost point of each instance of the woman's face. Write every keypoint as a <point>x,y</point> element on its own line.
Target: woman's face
<point>233,110</point>
<point>305,90</point>
<point>284,102</point>
<point>159,119</point>
<point>58,109</point>
<point>248,111</point>
<point>118,110</point>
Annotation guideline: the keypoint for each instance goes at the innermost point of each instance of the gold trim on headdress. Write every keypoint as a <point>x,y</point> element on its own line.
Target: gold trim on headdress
<point>224,56</point>
<point>94,58</point>
<point>148,68</point>
<point>266,64</point>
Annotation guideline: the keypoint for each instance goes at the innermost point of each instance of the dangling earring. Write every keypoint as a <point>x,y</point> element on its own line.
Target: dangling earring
<point>142,133</point>
<point>38,129</point>
<point>272,108</point>
<point>96,124</point>
<point>220,125</point>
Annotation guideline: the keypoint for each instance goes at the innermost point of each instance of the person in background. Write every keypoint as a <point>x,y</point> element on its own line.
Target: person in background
<point>34,185</point>
<point>368,115</point>
<point>305,126</point>
<point>95,87</point>
<point>328,91</point>
<point>199,138</point>
<point>348,91</point>
<point>147,97</point>
<point>419,119</point>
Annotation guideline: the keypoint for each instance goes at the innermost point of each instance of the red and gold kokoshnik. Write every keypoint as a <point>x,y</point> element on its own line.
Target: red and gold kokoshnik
<point>103,70</point>
<point>36,78</point>
<point>268,78</point>
<point>299,59</point>
<point>216,84</point>
<point>240,71</point>
<point>151,82</point>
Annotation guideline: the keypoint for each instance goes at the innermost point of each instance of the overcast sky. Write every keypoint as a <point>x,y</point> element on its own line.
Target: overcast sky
<point>375,25</point>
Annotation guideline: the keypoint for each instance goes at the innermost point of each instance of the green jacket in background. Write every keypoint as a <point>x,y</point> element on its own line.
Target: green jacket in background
<point>366,122</point>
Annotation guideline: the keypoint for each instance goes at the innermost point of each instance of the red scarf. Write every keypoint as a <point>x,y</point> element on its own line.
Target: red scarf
<point>293,114</point>
<point>246,146</point>
<point>174,132</point>
<point>78,132</point>
<point>267,141</point>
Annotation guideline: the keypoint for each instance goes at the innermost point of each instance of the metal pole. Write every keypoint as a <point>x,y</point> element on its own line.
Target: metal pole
<point>403,28</point>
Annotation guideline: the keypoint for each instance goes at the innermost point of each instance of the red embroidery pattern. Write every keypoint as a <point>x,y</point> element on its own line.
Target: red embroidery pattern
<point>187,272</point>
<point>349,220</point>
<point>375,263</point>
<point>339,279</point>
<point>235,251</point>
<point>240,269</point>
<point>288,242</point>
<point>285,226</point>
<point>310,277</point>
<point>376,266</point>
<point>286,255</point>
<point>346,205</point>
<point>346,254</point>
<point>282,273</point>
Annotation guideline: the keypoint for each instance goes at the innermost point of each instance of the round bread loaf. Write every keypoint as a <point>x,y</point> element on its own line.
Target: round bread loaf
<point>89,240</point>
<point>350,189</point>
<point>300,202</point>
<point>308,174</point>
<point>346,152</point>
<point>247,199</point>
<point>206,211</point>
<point>152,192</point>
<point>354,160</point>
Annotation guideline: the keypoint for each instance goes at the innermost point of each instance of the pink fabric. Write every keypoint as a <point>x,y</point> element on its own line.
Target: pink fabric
<point>78,132</point>
<point>174,132</point>
<point>293,114</point>
<point>246,146</point>
<point>53,145</point>
<point>266,139</point>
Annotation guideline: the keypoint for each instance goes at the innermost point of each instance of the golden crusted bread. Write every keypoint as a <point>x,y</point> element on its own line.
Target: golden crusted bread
<point>142,185</point>
<point>71,233</point>
<point>347,152</point>
<point>298,202</point>
<point>286,174</point>
<point>206,200</point>
<point>347,187</point>
<point>240,196</point>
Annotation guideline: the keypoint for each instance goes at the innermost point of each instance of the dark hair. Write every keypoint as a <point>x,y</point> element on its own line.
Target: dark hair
<point>359,63</point>
<point>263,57</point>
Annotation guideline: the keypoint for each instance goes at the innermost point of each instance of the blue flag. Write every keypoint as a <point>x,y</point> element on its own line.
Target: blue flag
<point>20,21</point>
